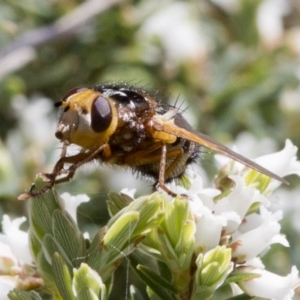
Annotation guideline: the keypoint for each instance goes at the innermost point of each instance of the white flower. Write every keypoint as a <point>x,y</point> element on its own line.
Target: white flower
<point>282,163</point>
<point>16,239</point>
<point>208,231</point>
<point>128,192</point>
<point>230,6</point>
<point>270,285</point>
<point>248,245</point>
<point>188,43</point>
<point>7,283</point>
<point>243,221</point>
<point>270,20</point>
<point>201,202</point>
<point>72,202</point>
<point>15,258</point>
<point>238,202</point>
<point>36,120</point>
<point>8,260</point>
<point>196,189</point>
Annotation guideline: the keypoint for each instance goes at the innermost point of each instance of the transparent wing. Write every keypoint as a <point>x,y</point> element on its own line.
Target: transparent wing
<point>183,130</point>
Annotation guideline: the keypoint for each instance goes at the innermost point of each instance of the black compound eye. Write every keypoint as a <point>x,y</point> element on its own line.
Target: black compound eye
<point>72,92</point>
<point>101,114</point>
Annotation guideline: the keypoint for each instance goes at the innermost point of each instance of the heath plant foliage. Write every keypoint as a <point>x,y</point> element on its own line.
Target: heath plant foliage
<point>206,243</point>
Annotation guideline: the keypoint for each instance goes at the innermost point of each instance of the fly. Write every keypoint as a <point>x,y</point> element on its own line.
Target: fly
<point>126,126</point>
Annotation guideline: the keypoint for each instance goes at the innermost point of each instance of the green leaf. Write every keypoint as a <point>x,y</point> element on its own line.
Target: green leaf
<point>176,214</point>
<point>141,204</point>
<point>87,278</point>
<point>241,297</point>
<point>119,235</point>
<point>186,245</point>
<point>39,218</point>
<point>41,208</point>
<point>50,198</point>
<point>158,285</point>
<point>117,202</point>
<point>155,278</point>
<point>51,246</point>
<point>23,295</point>
<point>110,246</point>
<point>164,271</point>
<point>95,250</point>
<point>149,217</point>
<point>238,277</point>
<point>45,269</point>
<point>34,243</point>
<point>68,236</point>
<point>62,277</point>
<point>95,254</point>
<point>203,293</point>
<point>86,294</point>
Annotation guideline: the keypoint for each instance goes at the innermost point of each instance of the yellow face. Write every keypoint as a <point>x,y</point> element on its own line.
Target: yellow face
<point>87,118</point>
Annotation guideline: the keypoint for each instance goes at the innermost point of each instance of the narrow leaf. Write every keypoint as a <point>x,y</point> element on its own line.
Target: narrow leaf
<point>238,277</point>
<point>62,277</point>
<point>44,268</point>
<point>41,208</point>
<point>23,295</point>
<point>119,234</point>
<point>158,288</point>
<point>85,277</point>
<point>86,294</point>
<point>95,250</point>
<point>34,243</point>
<point>67,234</point>
<point>117,202</point>
<point>156,278</point>
<point>50,247</point>
<point>241,297</point>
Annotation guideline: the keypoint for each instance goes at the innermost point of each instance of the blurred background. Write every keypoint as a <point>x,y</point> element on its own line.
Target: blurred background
<point>232,64</point>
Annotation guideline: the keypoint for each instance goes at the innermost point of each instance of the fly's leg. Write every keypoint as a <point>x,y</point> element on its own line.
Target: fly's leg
<point>76,161</point>
<point>162,172</point>
<point>147,156</point>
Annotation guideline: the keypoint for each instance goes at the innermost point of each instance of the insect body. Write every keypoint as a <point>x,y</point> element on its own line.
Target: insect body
<point>125,126</point>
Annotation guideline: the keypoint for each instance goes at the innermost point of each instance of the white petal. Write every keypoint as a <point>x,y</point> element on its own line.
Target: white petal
<point>282,163</point>
<point>239,201</point>
<point>17,239</point>
<point>71,203</point>
<point>236,290</point>
<point>178,16</point>
<point>270,285</point>
<point>7,283</point>
<point>128,192</point>
<point>7,259</point>
<point>249,244</point>
<point>208,232</point>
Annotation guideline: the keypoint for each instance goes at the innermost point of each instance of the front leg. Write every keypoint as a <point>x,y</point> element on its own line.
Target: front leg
<point>76,161</point>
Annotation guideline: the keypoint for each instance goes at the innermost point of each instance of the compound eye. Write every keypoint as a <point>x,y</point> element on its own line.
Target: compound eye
<point>101,114</point>
<point>72,92</point>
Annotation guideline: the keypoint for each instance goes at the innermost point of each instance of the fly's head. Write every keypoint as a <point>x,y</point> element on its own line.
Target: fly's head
<point>87,118</point>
